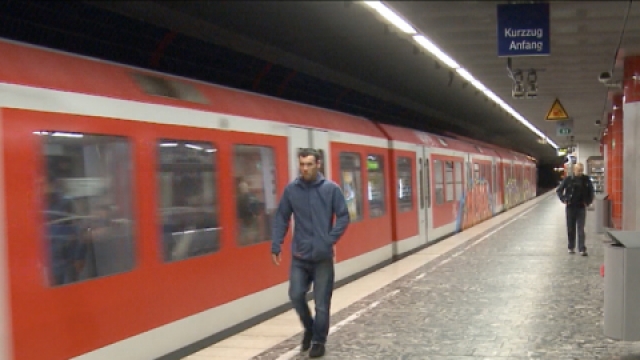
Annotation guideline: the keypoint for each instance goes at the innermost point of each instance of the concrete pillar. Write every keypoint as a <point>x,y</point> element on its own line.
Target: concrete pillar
<point>631,134</point>
<point>617,146</point>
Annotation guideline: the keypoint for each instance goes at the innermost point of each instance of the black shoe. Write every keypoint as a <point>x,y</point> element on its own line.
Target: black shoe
<point>306,341</point>
<point>584,253</point>
<point>317,350</point>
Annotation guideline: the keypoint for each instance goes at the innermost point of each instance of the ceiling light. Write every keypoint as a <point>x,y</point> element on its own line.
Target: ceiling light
<point>467,76</point>
<point>396,20</point>
<point>433,49</point>
<point>391,16</point>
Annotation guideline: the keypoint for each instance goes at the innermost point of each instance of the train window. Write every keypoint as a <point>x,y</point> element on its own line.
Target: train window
<point>88,205</point>
<point>421,184</point>
<point>405,184</point>
<point>158,86</point>
<point>256,194</point>
<point>427,193</point>
<point>488,177</point>
<point>351,183</point>
<point>448,178</point>
<point>505,179</point>
<point>493,177</point>
<point>439,180</point>
<point>188,200</point>
<point>375,174</point>
<point>458,176</point>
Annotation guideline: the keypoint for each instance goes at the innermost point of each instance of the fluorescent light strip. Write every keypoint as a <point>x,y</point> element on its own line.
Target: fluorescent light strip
<point>396,20</point>
<point>467,76</point>
<point>432,48</point>
<point>391,16</point>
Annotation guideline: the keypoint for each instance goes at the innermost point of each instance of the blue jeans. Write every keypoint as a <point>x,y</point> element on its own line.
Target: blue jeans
<point>576,217</point>
<point>303,273</point>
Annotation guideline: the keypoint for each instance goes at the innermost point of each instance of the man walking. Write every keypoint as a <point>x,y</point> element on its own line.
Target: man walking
<point>314,201</point>
<point>577,193</point>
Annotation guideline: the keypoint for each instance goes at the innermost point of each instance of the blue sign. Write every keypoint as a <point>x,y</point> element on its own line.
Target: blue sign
<point>523,29</point>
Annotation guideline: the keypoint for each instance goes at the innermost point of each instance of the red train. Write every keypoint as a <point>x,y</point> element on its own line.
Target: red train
<point>137,206</point>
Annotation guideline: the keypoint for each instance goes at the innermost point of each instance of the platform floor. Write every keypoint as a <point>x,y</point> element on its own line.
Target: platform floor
<point>505,289</point>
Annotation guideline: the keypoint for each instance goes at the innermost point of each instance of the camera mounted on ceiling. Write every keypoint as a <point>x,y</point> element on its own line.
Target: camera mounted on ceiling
<point>606,79</point>
<point>523,88</point>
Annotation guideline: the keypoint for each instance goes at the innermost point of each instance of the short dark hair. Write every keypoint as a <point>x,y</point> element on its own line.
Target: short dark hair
<point>309,152</point>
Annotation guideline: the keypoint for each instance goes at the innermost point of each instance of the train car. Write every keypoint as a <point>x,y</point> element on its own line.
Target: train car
<point>136,207</point>
<point>519,185</point>
<point>483,195</point>
<point>438,170</point>
<point>507,190</point>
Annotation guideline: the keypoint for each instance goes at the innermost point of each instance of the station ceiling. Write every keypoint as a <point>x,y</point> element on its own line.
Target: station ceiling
<point>342,55</point>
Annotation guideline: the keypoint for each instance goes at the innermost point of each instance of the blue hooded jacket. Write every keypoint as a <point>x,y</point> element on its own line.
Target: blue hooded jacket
<point>313,206</point>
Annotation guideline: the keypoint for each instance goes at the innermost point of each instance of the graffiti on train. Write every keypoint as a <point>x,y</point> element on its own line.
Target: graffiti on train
<point>515,193</point>
<point>476,205</point>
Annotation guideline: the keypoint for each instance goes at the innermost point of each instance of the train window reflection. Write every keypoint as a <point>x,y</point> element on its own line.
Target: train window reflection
<point>458,180</point>
<point>188,198</point>
<point>448,178</point>
<point>351,184</point>
<point>256,202</point>
<point>375,173</point>
<point>88,205</point>
<point>439,181</point>
<point>405,184</point>
<point>427,194</point>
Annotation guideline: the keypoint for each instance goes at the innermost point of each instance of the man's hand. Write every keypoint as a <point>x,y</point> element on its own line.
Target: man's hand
<point>276,258</point>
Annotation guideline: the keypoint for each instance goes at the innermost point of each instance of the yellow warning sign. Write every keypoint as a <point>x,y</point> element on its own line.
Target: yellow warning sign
<point>557,112</point>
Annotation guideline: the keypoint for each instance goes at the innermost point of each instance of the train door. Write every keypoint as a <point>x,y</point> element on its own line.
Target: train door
<point>300,138</point>
<point>424,182</point>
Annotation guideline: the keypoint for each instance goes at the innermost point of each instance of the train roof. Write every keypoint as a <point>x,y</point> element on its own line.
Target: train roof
<point>35,66</point>
<point>427,139</point>
<point>30,65</point>
<point>460,144</point>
